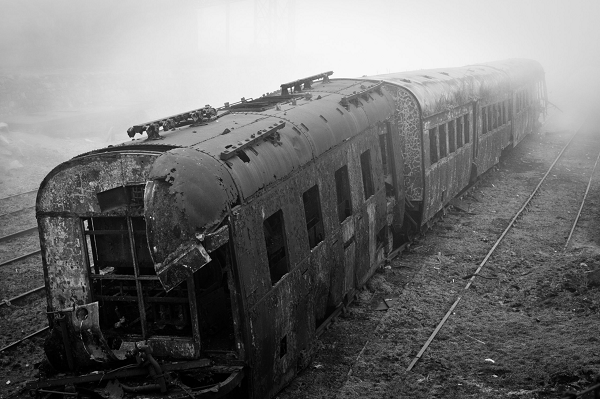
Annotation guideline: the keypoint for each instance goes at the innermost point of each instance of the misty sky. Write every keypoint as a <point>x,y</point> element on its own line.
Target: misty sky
<point>248,47</point>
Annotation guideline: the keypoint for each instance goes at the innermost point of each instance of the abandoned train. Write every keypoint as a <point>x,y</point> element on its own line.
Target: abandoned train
<point>205,258</point>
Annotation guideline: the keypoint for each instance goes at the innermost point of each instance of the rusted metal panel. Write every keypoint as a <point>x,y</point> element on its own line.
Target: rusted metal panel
<point>62,252</point>
<point>275,324</point>
<point>268,162</point>
<point>72,186</point>
<point>188,196</point>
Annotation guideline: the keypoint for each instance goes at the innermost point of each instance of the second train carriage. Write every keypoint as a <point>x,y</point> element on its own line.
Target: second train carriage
<point>221,244</point>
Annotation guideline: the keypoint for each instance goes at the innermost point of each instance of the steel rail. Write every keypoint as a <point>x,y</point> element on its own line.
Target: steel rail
<point>24,295</point>
<point>16,195</point>
<point>18,258</point>
<point>581,206</point>
<point>18,210</point>
<point>38,332</point>
<point>18,234</point>
<point>489,254</point>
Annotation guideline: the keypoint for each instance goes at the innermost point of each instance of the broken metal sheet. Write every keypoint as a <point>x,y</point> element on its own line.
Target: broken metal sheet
<point>88,345</point>
<point>188,196</point>
<point>214,240</point>
<point>181,264</point>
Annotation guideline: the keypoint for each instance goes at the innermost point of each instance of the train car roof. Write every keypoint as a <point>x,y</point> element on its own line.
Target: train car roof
<point>438,90</point>
<point>261,146</point>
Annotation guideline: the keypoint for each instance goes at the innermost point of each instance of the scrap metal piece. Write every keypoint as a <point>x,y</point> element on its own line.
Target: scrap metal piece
<point>307,82</point>
<point>122,372</point>
<point>187,259</point>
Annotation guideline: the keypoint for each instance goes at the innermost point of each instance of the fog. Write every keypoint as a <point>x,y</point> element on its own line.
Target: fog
<point>149,59</point>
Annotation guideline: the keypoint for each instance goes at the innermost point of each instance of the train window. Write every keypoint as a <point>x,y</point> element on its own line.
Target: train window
<point>467,128</point>
<point>490,114</point>
<point>312,212</point>
<point>443,140</point>
<point>342,188</point>
<point>495,116</point>
<point>383,148</point>
<point>459,132</point>
<point>451,137</point>
<point>433,147</point>
<point>276,246</point>
<point>109,242</point>
<point>283,346</point>
<point>120,197</point>
<point>484,120</point>
<point>365,165</point>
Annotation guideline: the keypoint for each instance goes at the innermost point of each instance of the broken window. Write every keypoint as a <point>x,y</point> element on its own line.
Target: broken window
<point>131,299</point>
<point>443,140</point>
<point>121,197</point>
<point>342,188</point>
<point>467,129</point>
<point>312,212</point>
<point>451,137</point>
<point>276,246</point>
<point>365,164</point>
<point>459,132</point>
<point>433,147</point>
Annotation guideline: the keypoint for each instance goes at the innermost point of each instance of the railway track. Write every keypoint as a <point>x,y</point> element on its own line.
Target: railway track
<point>511,224</point>
<point>17,294</point>
<point>21,218</point>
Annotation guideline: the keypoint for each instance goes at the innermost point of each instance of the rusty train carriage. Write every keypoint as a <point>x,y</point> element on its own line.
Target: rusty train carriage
<point>221,246</point>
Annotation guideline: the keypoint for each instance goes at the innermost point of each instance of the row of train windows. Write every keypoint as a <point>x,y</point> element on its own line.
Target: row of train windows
<point>274,228</point>
<point>448,137</point>
<point>495,115</point>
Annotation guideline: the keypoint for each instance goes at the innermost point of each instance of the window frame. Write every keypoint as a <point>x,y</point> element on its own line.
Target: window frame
<point>345,195</point>
<point>187,301</point>
<point>276,274</point>
<point>367,174</point>
<point>316,231</point>
<point>433,146</point>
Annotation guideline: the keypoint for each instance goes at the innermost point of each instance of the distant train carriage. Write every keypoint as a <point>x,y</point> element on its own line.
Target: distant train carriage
<point>211,253</point>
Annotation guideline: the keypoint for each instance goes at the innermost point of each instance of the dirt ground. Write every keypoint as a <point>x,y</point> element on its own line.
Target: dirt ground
<point>526,328</point>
